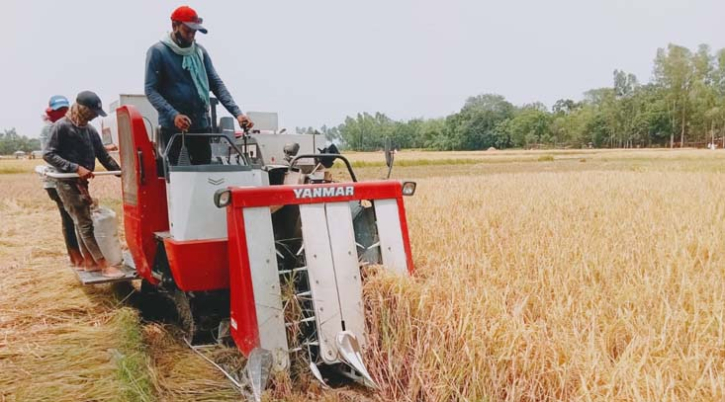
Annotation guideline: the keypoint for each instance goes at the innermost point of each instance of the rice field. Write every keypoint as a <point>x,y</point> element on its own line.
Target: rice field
<point>541,276</point>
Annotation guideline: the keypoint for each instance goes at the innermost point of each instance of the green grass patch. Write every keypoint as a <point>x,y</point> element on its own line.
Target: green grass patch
<point>132,361</point>
<point>546,158</point>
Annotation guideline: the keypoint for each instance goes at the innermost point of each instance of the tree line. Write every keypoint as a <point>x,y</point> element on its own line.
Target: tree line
<point>683,105</point>
<point>11,141</point>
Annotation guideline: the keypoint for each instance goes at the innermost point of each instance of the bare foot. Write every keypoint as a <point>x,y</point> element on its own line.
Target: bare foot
<point>113,273</point>
<point>109,271</point>
<point>76,257</point>
<point>92,268</point>
<point>77,265</point>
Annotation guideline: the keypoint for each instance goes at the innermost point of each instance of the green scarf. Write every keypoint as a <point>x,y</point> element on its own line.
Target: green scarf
<point>193,60</point>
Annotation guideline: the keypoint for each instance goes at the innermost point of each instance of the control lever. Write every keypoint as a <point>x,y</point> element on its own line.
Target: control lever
<point>245,147</point>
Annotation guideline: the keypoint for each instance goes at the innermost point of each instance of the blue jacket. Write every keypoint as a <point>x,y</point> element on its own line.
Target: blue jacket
<point>171,90</point>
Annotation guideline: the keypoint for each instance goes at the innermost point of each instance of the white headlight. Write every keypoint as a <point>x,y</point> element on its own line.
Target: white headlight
<point>222,198</point>
<point>409,188</point>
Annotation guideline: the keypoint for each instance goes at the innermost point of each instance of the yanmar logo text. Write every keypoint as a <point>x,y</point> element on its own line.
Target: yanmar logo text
<point>339,191</point>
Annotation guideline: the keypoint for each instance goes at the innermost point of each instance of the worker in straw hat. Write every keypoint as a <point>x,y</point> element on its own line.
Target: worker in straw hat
<point>179,77</point>
<point>73,147</point>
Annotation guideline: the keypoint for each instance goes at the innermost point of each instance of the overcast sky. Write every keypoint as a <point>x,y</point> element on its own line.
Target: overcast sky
<point>315,62</point>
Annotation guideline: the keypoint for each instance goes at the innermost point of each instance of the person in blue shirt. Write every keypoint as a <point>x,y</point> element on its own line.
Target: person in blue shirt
<point>179,77</point>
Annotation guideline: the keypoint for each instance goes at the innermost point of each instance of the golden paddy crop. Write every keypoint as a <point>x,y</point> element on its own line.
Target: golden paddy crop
<point>598,276</point>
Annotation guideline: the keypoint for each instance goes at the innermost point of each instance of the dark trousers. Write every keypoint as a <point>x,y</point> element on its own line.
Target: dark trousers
<point>198,148</point>
<point>77,202</point>
<point>69,229</point>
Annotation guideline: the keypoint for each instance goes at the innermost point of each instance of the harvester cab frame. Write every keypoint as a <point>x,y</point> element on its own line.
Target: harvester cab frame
<point>271,256</point>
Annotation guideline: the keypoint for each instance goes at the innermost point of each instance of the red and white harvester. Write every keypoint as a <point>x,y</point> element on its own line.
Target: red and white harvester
<point>272,252</point>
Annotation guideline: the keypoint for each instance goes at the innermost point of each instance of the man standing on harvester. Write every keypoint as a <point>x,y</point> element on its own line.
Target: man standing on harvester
<point>73,147</point>
<point>179,76</point>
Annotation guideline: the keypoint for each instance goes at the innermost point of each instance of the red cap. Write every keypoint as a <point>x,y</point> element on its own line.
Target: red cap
<point>188,17</point>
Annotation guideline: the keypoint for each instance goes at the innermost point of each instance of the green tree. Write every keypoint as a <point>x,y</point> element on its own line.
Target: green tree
<point>366,132</point>
<point>602,124</point>
<point>10,142</point>
<point>476,126</point>
<point>565,107</point>
<point>626,110</point>
<point>531,125</point>
<point>673,71</point>
<point>434,135</point>
<point>703,96</point>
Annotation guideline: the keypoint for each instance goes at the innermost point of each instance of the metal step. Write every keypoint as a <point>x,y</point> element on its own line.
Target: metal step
<point>97,278</point>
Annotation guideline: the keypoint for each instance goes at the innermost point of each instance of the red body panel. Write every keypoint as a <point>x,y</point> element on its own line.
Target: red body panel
<point>404,233</point>
<point>144,193</point>
<point>245,330</point>
<point>243,311</point>
<point>198,265</point>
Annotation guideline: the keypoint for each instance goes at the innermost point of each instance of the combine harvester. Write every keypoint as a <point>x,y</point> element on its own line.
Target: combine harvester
<point>272,254</point>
